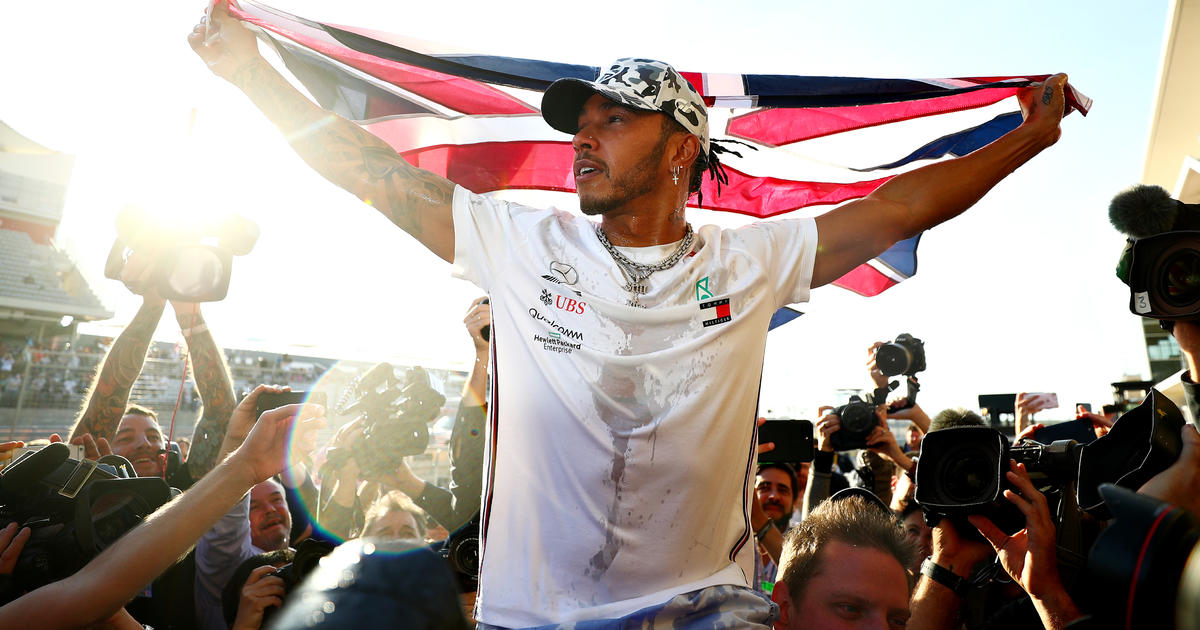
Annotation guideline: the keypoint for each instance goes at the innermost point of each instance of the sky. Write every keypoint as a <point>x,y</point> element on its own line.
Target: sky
<point>1018,294</point>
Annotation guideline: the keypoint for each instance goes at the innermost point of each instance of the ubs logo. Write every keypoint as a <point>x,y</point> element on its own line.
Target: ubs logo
<point>570,305</point>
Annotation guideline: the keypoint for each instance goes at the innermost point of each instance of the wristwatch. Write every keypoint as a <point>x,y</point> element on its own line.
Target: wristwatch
<point>945,577</point>
<point>762,531</point>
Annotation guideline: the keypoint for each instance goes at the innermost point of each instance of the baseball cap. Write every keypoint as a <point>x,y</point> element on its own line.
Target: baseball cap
<point>643,84</point>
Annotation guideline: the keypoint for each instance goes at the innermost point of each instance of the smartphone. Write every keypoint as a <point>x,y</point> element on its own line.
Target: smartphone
<point>1048,401</point>
<point>793,441</point>
<point>268,401</point>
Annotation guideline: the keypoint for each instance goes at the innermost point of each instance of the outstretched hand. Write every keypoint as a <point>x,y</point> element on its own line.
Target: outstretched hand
<point>12,541</point>
<point>1043,105</point>
<point>223,41</point>
<point>1030,555</point>
<point>265,449</point>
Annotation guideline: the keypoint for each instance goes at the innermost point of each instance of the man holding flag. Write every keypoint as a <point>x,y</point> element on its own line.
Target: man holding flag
<point>626,353</point>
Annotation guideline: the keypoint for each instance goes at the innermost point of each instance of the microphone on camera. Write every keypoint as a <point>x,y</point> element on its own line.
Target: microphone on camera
<point>1143,211</point>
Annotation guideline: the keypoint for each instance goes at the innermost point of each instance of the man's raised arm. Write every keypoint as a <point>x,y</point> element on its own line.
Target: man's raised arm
<point>913,202</point>
<point>215,384</point>
<point>415,200</point>
<point>109,394</point>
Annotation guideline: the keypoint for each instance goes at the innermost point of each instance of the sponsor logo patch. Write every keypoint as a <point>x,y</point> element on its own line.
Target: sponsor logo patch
<point>559,338</point>
<point>720,308</point>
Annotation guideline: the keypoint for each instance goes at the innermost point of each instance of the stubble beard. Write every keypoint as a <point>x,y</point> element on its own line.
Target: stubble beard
<point>634,182</point>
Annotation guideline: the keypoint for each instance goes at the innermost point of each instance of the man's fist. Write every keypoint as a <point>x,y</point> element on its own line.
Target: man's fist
<point>223,42</point>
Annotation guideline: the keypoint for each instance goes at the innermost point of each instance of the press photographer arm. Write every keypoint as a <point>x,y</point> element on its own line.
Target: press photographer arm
<point>820,474</point>
<point>121,571</point>
<point>109,395</point>
<point>415,200</point>
<point>935,605</point>
<point>215,384</point>
<point>1030,556</point>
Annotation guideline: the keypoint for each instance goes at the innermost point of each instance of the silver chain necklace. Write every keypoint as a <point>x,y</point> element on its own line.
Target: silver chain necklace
<point>636,273</point>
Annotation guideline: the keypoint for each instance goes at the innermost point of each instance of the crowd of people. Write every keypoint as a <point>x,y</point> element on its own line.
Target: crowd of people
<point>604,454</point>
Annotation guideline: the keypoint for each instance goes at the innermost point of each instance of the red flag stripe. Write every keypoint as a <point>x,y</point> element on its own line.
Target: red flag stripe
<point>463,95</point>
<point>865,280</point>
<point>778,127</point>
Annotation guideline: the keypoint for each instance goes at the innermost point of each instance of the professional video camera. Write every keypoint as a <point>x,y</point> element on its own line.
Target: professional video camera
<point>396,415</point>
<point>962,470</point>
<point>75,509</point>
<point>905,355</point>
<point>187,266</point>
<point>1161,261</point>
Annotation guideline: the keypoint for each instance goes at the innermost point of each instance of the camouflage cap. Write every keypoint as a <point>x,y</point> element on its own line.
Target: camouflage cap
<point>642,84</point>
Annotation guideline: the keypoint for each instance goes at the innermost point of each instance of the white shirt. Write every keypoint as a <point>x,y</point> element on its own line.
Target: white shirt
<point>620,443</point>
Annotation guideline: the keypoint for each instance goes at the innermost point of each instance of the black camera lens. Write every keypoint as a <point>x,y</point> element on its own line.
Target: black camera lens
<point>1180,277</point>
<point>967,475</point>
<point>892,359</point>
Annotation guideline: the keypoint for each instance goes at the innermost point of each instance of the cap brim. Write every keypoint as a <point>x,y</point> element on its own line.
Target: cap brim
<point>564,99</point>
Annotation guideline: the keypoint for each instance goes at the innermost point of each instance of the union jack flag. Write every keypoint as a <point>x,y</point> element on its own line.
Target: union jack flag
<point>819,141</point>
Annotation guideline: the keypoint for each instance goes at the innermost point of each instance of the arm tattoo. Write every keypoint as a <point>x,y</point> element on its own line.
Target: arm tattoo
<point>109,395</point>
<point>1047,95</point>
<point>345,154</point>
<point>216,391</point>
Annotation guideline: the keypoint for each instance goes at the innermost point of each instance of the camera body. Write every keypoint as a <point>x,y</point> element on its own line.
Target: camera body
<point>1164,276</point>
<point>461,552</point>
<point>396,415</point>
<point>905,355</point>
<point>75,509</point>
<point>858,420</point>
<point>188,266</point>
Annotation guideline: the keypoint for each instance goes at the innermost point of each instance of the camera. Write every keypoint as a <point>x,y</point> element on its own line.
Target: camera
<point>905,355</point>
<point>1161,261</point>
<point>308,554</point>
<point>187,265</point>
<point>74,507</point>
<point>961,470</point>
<point>461,552</point>
<point>396,414</point>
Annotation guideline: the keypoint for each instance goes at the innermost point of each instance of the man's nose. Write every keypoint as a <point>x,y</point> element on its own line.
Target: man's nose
<point>583,139</point>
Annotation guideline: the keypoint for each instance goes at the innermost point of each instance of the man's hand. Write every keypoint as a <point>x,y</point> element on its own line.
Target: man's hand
<point>829,424</point>
<point>1026,406</point>
<point>223,42</point>
<point>1180,483</point>
<point>261,591</point>
<point>245,415</point>
<point>1042,106</point>
<point>877,375</point>
<point>264,451</point>
<point>478,317</point>
<point>958,554</point>
<point>12,541</point>
<point>1030,556</point>
<point>93,449</point>
<point>6,451</point>
<point>882,442</point>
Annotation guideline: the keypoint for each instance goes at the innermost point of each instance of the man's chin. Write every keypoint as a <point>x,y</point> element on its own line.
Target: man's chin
<point>147,469</point>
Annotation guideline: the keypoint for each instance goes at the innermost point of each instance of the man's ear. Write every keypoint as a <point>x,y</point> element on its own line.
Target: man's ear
<point>687,150</point>
<point>783,598</point>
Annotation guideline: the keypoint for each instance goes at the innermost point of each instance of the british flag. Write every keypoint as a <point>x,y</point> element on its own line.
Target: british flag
<point>817,141</point>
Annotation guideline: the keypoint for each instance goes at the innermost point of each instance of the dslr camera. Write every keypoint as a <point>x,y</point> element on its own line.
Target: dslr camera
<point>191,262</point>
<point>905,355</point>
<point>858,420</point>
<point>74,507</point>
<point>396,410</point>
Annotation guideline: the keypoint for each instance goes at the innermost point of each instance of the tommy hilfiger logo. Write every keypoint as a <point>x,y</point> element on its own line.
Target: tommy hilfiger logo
<point>721,310</point>
<point>702,292</point>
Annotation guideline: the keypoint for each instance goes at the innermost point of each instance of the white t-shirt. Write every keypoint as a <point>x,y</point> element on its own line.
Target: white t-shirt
<point>620,460</point>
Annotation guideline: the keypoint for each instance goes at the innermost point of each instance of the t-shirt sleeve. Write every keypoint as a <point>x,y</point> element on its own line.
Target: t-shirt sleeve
<point>787,249</point>
<point>481,226</point>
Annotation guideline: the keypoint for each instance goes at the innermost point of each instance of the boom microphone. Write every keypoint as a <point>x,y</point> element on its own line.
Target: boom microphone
<point>1143,211</point>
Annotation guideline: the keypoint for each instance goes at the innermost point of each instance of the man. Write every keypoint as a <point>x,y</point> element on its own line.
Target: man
<point>624,386</point>
<point>139,439</point>
<point>843,567</point>
<point>270,520</point>
<point>777,486</point>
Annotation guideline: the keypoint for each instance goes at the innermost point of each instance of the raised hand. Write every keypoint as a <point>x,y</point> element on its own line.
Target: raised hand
<point>222,41</point>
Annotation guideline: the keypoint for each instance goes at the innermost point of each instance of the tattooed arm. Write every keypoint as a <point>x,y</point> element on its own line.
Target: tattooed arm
<point>915,201</point>
<point>415,200</point>
<point>109,394</point>
<point>215,385</point>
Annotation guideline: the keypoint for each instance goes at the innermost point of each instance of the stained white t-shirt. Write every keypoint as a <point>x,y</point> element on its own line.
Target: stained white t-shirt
<point>619,459</point>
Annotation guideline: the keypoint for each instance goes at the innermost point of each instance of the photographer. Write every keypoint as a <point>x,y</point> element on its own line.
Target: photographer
<point>454,508</point>
<point>97,592</point>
